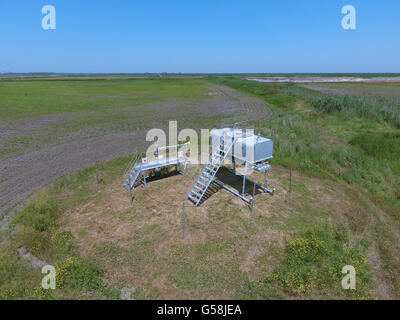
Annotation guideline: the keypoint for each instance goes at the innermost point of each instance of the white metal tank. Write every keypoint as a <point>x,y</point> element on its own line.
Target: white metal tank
<point>248,147</point>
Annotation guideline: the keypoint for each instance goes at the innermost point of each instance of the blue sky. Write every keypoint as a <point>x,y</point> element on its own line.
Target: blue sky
<point>199,36</point>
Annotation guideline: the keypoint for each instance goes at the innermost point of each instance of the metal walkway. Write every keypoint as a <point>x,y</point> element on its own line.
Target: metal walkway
<point>139,168</point>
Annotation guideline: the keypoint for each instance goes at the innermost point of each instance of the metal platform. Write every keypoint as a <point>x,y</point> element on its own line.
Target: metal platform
<point>139,169</point>
<point>161,163</point>
<point>143,167</point>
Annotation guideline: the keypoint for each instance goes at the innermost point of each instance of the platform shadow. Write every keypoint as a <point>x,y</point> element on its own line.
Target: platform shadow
<point>231,180</point>
<point>157,177</point>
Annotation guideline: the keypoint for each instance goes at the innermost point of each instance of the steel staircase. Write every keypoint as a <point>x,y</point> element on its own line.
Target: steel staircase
<point>132,177</point>
<point>209,171</point>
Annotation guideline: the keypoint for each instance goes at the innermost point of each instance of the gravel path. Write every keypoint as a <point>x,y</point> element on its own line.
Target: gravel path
<point>22,173</point>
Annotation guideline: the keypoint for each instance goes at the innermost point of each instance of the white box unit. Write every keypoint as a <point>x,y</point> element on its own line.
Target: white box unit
<point>247,147</point>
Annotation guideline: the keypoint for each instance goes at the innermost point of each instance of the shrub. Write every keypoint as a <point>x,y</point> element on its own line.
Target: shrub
<point>40,212</point>
<point>15,282</point>
<point>375,108</point>
<point>314,260</point>
<point>63,240</point>
<point>379,145</point>
<point>328,104</point>
<point>73,272</point>
<point>37,243</point>
<point>35,222</point>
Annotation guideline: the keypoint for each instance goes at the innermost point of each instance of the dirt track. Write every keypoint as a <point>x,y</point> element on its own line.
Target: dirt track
<point>25,170</point>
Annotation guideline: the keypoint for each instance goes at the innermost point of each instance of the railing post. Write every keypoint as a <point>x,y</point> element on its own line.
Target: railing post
<point>252,201</point>
<point>183,221</point>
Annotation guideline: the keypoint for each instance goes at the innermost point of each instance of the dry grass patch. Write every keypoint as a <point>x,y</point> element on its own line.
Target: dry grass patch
<point>227,248</point>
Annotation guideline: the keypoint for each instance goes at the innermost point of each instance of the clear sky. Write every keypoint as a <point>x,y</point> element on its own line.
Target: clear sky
<point>131,36</point>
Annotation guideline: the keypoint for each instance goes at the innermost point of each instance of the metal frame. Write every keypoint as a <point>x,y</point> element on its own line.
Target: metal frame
<point>209,172</point>
<point>263,187</point>
<point>155,165</point>
<point>138,170</point>
<point>243,195</point>
<point>210,169</point>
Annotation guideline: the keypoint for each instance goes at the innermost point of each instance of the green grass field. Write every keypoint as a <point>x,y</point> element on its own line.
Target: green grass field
<point>344,209</point>
<point>39,112</point>
<point>23,99</point>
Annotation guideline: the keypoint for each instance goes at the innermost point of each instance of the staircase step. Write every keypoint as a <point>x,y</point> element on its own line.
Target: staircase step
<point>208,172</point>
<point>204,178</point>
<point>216,154</point>
<point>216,157</point>
<point>198,187</point>
<point>132,177</point>
<point>196,194</point>
<point>198,182</point>
<point>207,175</point>
<point>193,199</point>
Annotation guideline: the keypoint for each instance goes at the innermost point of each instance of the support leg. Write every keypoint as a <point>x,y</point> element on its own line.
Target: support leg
<point>266,179</point>
<point>266,184</point>
<point>244,179</point>
<point>253,198</point>
<point>144,177</point>
<point>261,186</point>
<point>184,168</point>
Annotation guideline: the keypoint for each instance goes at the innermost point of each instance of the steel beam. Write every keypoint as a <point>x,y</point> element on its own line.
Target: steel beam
<point>232,191</point>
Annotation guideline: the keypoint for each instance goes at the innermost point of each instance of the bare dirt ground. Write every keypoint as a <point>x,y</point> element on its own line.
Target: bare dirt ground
<point>24,169</point>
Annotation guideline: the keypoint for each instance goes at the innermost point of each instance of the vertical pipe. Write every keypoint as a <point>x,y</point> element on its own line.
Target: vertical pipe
<point>183,220</point>
<point>144,176</point>
<point>252,201</point>
<point>177,156</point>
<point>244,179</point>
<point>266,178</point>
